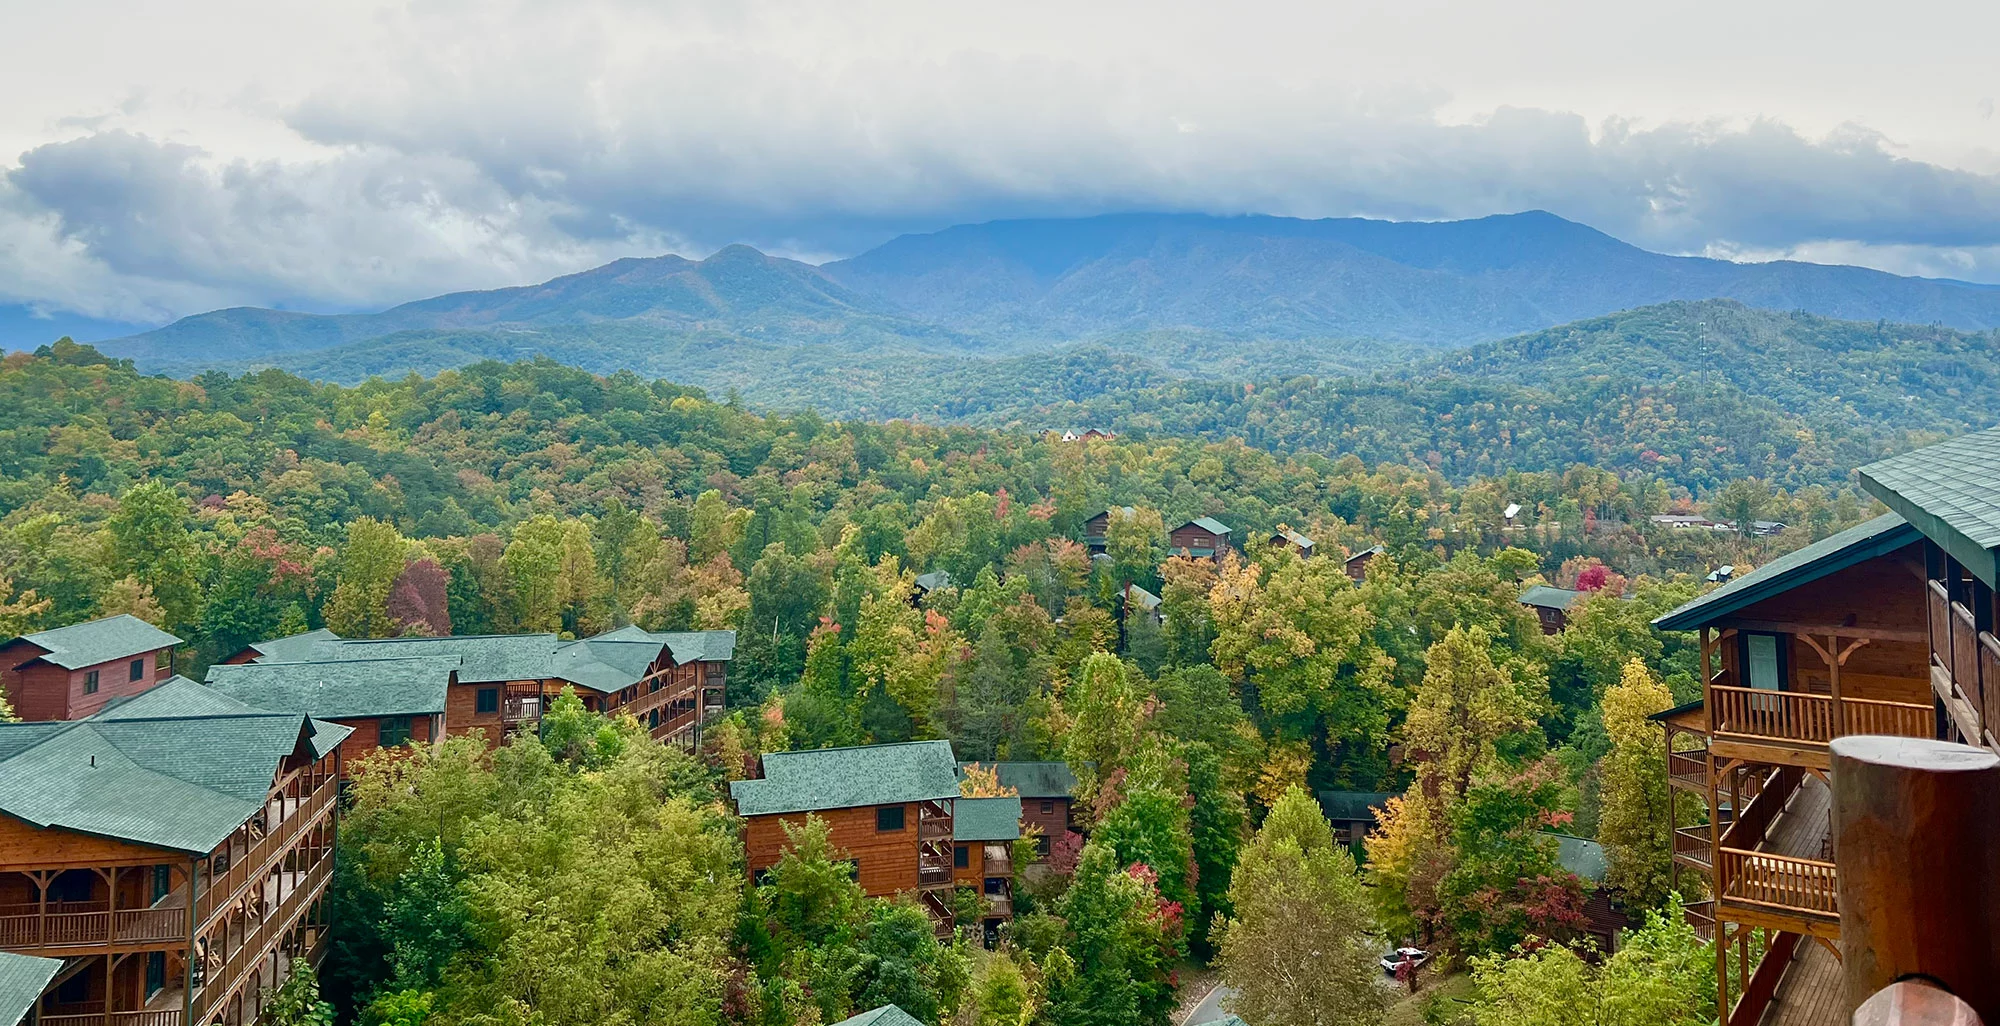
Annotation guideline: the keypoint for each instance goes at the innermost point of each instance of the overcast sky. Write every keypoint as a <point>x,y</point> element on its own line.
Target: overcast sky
<point>159,159</point>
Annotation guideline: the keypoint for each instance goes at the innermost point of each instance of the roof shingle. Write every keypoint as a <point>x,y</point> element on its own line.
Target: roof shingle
<point>1951,492</point>
<point>845,778</point>
<point>343,689</point>
<point>100,641</point>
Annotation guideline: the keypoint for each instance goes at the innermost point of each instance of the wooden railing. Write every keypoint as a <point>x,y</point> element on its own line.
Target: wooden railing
<point>1701,916</point>
<point>1989,677</point>
<point>30,930</point>
<point>1688,767</point>
<point>247,957</point>
<point>158,1017</point>
<point>1693,843</point>
<point>257,863</point>
<point>1809,718</point>
<point>1778,881</point>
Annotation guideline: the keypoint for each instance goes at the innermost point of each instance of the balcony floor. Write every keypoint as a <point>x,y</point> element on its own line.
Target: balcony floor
<point>1804,830</point>
<point>1810,992</point>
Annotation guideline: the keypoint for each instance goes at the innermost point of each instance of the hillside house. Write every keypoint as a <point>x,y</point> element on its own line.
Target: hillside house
<point>385,703</point>
<point>1551,605</point>
<point>173,850</point>
<point>1356,565</point>
<point>71,672</point>
<point>1097,528</point>
<point>1140,602</point>
<point>691,691</point>
<point>1044,789</point>
<point>887,1015</point>
<point>983,832</point>
<point>889,807</point>
<point>1287,538</point>
<point>1200,538</point>
<point>1605,916</point>
<point>924,584</point>
<point>1352,813</point>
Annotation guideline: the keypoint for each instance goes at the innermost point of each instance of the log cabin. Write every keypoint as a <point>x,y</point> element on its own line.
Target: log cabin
<point>1604,913</point>
<point>1200,538</point>
<point>1824,642</point>
<point>71,672</point>
<point>681,694</point>
<point>386,703</point>
<point>889,808</point>
<point>1098,528</point>
<point>1044,789</point>
<point>1551,605</point>
<point>172,850</point>
<point>1286,538</point>
<point>502,683</point>
<point>1356,565</point>
<point>983,832</point>
<point>1352,813</point>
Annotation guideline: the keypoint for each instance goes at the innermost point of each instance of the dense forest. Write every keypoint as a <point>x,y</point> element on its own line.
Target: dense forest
<point>588,876</point>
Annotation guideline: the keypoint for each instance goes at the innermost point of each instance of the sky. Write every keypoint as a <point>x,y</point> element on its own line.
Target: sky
<point>160,159</point>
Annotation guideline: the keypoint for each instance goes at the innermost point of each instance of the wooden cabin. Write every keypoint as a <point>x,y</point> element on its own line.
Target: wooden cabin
<point>386,703</point>
<point>887,1015</point>
<point>1352,813</point>
<point>1200,538</point>
<point>1098,528</point>
<point>1044,789</point>
<point>889,807</point>
<point>502,683</point>
<point>1551,605</point>
<point>172,850</point>
<point>71,672</point>
<point>1821,643</point>
<point>1286,538</point>
<point>983,832</point>
<point>685,691</point>
<point>1604,912</point>
<point>1356,565</point>
<point>1140,602</point>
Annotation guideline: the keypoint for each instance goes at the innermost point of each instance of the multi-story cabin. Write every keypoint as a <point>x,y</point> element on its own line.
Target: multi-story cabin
<point>385,702</point>
<point>1827,641</point>
<point>889,807</point>
<point>983,832</point>
<point>1200,538</point>
<point>1044,789</point>
<point>71,672</point>
<point>1551,605</point>
<point>1356,565</point>
<point>1352,813</point>
<point>173,851</point>
<point>686,690</point>
<point>1098,528</point>
<point>1301,546</point>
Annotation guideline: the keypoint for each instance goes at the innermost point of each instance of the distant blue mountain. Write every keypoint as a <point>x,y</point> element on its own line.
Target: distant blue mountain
<point>1032,285</point>
<point>23,328</point>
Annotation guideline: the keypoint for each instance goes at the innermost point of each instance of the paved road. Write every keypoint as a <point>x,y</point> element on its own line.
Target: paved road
<point>1210,1008</point>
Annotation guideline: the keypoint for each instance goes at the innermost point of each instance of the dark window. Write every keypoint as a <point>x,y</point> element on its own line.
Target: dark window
<point>961,856</point>
<point>163,881</point>
<point>487,701</point>
<point>75,990</point>
<point>761,877</point>
<point>156,972</point>
<point>395,731</point>
<point>656,684</point>
<point>1042,846</point>
<point>996,885</point>
<point>653,718</point>
<point>888,819</point>
<point>90,683</point>
<point>852,869</point>
<point>1048,808</point>
<point>138,669</point>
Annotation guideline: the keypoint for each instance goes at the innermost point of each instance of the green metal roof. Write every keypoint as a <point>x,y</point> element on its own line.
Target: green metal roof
<point>150,773</point>
<point>99,641</point>
<point>687,646</point>
<point>986,819</point>
<point>343,689</point>
<point>1581,856</point>
<point>291,648</point>
<point>933,581</point>
<point>176,696</point>
<point>483,658</point>
<point>1836,552</point>
<point>1951,492</point>
<point>1352,806</point>
<point>844,778</point>
<point>605,664</point>
<point>1542,596</point>
<point>1209,524</point>
<point>1294,537</point>
<point>1032,779</point>
<point>887,1015</point>
<point>22,980</point>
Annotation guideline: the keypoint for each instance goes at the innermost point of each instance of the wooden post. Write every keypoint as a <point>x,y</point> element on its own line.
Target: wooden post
<point>1917,835</point>
<point>1914,1003</point>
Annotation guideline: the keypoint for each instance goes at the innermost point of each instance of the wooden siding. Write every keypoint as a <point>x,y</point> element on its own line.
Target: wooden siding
<point>885,863</point>
<point>44,691</point>
<point>1053,823</point>
<point>1189,537</point>
<point>367,737</point>
<point>25,846</point>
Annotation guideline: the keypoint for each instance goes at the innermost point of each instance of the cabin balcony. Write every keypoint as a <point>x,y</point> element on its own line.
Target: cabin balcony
<point>1688,770</point>
<point>523,711</point>
<point>1701,916</point>
<point>1964,667</point>
<point>1775,864</point>
<point>1694,847</point>
<point>1793,727</point>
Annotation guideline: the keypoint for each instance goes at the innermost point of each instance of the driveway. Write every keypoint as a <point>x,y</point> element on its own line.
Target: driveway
<point>1210,1009</point>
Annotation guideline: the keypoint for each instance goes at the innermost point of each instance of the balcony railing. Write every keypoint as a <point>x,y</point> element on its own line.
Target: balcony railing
<point>1808,718</point>
<point>89,924</point>
<point>263,856</point>
<point>1781,882</point>
<point>156,1017</point>
<point>1692,844</point>
<point>247,957</point>
<point>1701,916</point>
<point>1688,767</point>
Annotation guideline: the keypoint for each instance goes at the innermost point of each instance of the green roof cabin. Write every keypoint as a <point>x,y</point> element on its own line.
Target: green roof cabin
<point>168,855</point>
<point>1044,789</point>
<point>387,703</point>
<point>1200,538</point>
<point>71,672</point>
<point>983,834</point>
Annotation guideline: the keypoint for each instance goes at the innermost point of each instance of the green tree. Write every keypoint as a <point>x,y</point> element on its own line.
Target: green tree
<point>533,561</point>
<point>1634,825</point>
<point>369,564</point>
<point>151,543</point>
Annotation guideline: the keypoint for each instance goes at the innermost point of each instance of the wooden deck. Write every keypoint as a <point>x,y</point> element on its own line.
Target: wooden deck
<point>1810,992</point>
<point>1805,829</point>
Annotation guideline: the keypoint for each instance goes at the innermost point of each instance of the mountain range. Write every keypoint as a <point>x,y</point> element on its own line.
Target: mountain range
<point>1200,295</point>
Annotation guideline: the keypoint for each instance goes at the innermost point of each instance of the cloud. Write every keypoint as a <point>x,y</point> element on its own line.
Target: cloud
<point>477,145</point>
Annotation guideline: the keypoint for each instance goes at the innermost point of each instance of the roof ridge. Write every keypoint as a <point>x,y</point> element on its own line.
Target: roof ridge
<point>854,748</point>
<point>326,662</point>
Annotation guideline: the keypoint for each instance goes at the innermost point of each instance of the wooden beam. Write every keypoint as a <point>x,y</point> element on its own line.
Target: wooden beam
<point>1872,633</point>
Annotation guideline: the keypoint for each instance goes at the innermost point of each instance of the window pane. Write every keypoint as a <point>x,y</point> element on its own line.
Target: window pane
<point>1763,661</point>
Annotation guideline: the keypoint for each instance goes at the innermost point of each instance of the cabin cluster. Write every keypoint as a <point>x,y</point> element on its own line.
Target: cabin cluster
<point>1884,629</point>
<point>167,843</point>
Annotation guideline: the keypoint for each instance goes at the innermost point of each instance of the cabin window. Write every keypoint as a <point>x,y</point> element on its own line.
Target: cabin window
<point>138,669</point>
<point>961,856</point>
<point>1043,844</point>
<point>163,881</point>
<point>996,885</point>
<point>1048,808</point>
<point>1763,661</point>
<point>889,819</point>
<point>90,683</point>
<point>395,731</point>
<point>487,701</point>
<point>156,972</point>
<point>653,719</point>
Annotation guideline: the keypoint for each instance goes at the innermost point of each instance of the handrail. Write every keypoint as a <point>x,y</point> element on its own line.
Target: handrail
<point>1807,717</point>
<point>1778,881</point>
<point>103,928</point>
<point>1693,842</point>
<point>248,955</point>
<point>262,856</point>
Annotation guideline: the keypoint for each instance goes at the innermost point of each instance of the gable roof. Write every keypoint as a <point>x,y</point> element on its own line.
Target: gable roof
<point>986,819</point>
<point>1372,550</point>
<point>1209,524</point>
<point>176,696</point>
<point>292,647</point>
<point>22,980</point>
<point>1294,537</point>
<point>1880,536</point>
<point>933,581</point>
<point>1144,599</point>
<point>887,1015</point>
<point>483,658</point>
<point>99,641</point>
<point>342,689</point>
<point>168,768</point>
<point>1541,596</point>
<point>1032,779</point>
<point>1352,806</point>
<point>1581,856</point>
<point>1951,492</point>
<point>606,664</point>
<point>687,646</point>
<point>845,778</point>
